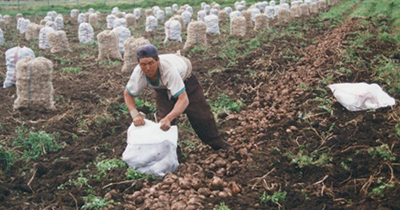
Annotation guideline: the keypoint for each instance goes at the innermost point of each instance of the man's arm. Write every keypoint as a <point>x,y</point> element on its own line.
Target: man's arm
<point>130,103</point>
<point>179,108</point>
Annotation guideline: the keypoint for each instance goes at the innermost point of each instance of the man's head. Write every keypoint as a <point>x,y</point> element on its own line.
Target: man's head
<point>146,51</point>
<point>148,60</point>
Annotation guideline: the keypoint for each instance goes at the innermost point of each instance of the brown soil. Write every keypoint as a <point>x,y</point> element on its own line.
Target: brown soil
<point>279,118</point>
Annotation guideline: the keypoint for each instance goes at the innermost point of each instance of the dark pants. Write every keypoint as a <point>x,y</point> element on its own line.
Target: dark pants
<point>198,111</point>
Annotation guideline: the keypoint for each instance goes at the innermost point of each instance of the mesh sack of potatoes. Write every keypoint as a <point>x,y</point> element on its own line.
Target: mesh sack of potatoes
<point>120,15</point>
<point>130,46</point>
<point>32,31</point>
<point>122,34</point>
<point>304,11</point>
<point>247,14</point>
<point>321,6</point>
<point>283,15</point>
<point>13,55</point>
<point>261,22</point>
<point>85,33</point>
<point>222,15</point>
<point>294,12</point>
<point>58,41</point>
<point>34,84</point>
<point>172,31</point>
<point>238,26</point>
<point>196,34</point>
<point>93,19</point>
<point>43,22</point>
<point>148,12</point>
<point>108,46</point>
<point>130,20</point>
<point>2,24</point>
<point>43,37</point>
<point>314,8</point>
<point>7,18</point>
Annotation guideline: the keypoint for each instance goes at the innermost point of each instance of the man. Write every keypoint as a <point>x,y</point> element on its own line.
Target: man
<point>177,91</point>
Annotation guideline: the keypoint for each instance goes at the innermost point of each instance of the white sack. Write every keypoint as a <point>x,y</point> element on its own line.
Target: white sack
<point>151,150</point>
<point>201,15</point>
<point>137,13</point>
<point>173,30</point>
<point>85,33</point>
<point>81,18</point>
<point>110,21</point>
<point>74,13</point>
<point>1,37</point>
<point>119,22</point>
<point>43,39</point>
<point>361,96</point>
<point>24,25</point>
<point>122,33</point>
<point>212,24</point>
<point>151,23</point>
<point>13,55</point>
<point>59,21</point>
<point>186,17</point>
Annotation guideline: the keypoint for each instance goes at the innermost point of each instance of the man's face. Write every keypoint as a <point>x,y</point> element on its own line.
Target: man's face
<point>149,66</point>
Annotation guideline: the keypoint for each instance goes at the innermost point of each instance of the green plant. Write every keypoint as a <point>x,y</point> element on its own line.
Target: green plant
<point>141,104</point>
<point>36,143</point>
<point>382,151</point>
<point>71,70</point>
<point>133,174</point>
<point>7,158</point>
<point>382,186</point>
<point>274,198</point>
<point>106,165</point>
<point>222,206</point>
<point>223,102</point>
<point>63,61</point>
<point>96,202</point>
<point>303,158</point>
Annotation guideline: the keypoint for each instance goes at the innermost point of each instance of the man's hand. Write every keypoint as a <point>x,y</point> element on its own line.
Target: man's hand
<point>165,124</point>
<point>137,118</point>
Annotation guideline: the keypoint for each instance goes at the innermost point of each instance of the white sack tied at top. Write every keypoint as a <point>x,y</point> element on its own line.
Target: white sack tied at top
<point>361,96</point>
<point>151,150</point>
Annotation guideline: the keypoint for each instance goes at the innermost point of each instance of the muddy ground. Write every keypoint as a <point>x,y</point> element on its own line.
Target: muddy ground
<point>282,121</point>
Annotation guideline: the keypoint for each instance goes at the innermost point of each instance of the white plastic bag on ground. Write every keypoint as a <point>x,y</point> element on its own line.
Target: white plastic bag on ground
<point>151,150</point>
<point>361,96</point>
